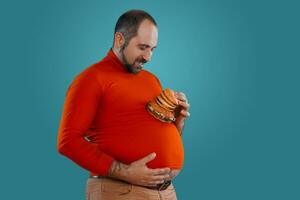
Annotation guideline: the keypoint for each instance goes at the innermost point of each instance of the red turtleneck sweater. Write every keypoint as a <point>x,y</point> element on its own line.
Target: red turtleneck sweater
<point>106,104</point>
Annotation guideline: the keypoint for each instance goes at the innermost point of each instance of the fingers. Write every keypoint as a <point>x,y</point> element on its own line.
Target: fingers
<point>140,174</point>
<point>184,113</point>
<point>181,96</point>
<point>160,171</point>
<point>184,105</point>
<point>154,183</point>
<point>161,177</point>
<point>157,179</point>
<point>147,158</point>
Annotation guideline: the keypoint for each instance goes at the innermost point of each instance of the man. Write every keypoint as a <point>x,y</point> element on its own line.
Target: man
<point>106,129</point>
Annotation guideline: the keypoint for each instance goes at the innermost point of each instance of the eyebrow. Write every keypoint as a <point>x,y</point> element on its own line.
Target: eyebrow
<point>147,46</point>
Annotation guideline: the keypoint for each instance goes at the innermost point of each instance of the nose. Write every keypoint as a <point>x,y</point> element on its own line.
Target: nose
<point>147,55</point>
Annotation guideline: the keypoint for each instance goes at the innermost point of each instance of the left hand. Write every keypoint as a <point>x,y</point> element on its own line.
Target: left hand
<point>183,110</point>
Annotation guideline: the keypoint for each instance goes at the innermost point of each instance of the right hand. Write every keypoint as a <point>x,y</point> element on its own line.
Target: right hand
<point>138,173</point>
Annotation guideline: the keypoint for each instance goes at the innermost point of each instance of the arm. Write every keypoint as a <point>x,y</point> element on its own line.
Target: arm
<point>79,111</point>
<point>80,108</point>
<point>138,173</point>
<point>180,127</point>
<point>182,112</point>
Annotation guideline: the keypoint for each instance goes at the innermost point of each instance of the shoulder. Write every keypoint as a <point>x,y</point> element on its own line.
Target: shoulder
<point>153,77</point>
<point>86,75</point>
<point>149,74</point>
<point>95,72</point>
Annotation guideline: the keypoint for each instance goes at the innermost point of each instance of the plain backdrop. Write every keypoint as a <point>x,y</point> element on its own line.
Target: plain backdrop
<point>237,62</point>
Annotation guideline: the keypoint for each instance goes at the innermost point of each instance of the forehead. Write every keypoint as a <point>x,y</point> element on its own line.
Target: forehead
<point>147,34</point>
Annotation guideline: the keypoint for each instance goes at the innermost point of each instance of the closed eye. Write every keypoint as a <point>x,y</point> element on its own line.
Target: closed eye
<point>145,46</point>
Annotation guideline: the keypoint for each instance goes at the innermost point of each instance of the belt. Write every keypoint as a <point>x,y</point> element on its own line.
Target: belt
<point>159,187</point>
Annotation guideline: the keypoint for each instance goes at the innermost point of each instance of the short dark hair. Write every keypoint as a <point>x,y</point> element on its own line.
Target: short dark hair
<point>129,22</point>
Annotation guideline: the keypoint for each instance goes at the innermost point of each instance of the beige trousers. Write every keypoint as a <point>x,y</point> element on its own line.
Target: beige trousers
<point>110,189</point>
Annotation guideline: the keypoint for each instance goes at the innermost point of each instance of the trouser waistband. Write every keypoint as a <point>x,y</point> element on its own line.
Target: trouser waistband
<point>159,187</point>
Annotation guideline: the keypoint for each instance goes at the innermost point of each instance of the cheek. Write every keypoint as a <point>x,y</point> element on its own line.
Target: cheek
<point>128,56</point>
<point>131,55</point>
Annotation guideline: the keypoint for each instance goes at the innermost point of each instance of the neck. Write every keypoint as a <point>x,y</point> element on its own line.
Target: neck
<point>117,53</point>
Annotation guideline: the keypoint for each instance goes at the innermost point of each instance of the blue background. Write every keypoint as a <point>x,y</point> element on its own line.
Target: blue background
<point>237,61</point>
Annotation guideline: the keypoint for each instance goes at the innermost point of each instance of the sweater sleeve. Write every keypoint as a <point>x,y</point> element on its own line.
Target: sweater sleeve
<point>79,111</point>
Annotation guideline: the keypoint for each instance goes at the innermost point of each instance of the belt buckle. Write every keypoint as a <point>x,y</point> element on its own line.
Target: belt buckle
<point>164,186</point>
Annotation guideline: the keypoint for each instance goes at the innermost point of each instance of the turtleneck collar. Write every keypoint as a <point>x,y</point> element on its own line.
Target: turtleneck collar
<point>111,55</point>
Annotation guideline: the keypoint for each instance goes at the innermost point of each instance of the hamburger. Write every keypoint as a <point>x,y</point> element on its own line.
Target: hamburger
<point>163,106</point>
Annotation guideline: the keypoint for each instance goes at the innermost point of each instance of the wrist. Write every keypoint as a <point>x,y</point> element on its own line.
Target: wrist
<point>118,170</point>
<point>179,125</point>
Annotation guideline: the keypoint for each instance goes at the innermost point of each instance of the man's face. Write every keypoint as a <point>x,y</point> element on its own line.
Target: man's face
<point>139,49</point>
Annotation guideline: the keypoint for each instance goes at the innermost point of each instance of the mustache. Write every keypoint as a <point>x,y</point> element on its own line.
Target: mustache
<point>141,60</point>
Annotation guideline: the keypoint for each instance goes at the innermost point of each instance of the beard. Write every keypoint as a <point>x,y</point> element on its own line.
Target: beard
<point>130,67</point>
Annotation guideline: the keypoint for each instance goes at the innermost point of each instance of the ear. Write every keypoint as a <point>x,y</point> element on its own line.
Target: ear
<point>119,40</point>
